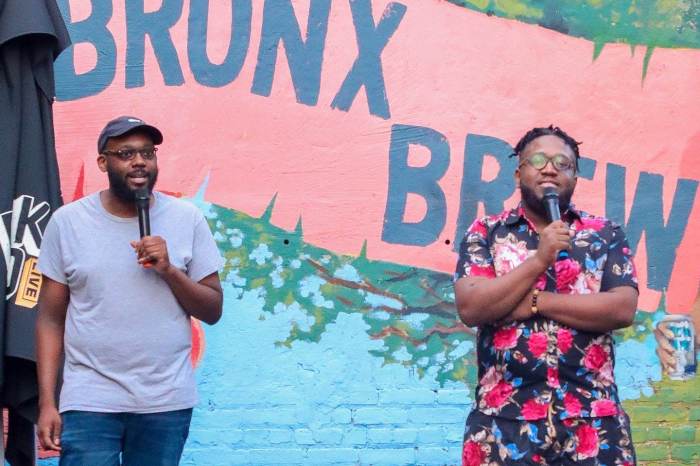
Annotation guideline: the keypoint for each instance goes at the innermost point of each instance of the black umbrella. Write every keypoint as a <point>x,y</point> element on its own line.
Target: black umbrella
<point>32,35</point>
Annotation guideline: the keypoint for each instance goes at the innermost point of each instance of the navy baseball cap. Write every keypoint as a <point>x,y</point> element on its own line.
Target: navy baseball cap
<point>125,124</point>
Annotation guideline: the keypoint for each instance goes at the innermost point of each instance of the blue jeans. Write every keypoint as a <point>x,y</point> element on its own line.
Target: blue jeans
<point>98,439</point>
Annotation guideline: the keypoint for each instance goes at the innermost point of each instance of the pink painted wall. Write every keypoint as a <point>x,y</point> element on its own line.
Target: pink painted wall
<point>448,68</point>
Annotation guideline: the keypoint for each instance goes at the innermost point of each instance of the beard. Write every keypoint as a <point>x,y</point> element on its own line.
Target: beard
<point>535,204</point>
<point>120,188</point>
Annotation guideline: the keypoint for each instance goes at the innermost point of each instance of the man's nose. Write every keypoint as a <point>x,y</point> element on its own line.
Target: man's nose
<point>549,168</point>
<point>138,160</point>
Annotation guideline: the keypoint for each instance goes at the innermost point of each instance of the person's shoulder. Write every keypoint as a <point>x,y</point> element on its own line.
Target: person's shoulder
<point>76,207</point>
<point>597,222</point>
<point>506,217</point>
<point>486,223</point>
<point>501,216</point>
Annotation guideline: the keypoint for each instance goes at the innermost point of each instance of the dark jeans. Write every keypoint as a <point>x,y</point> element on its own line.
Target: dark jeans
<point>98,439</point>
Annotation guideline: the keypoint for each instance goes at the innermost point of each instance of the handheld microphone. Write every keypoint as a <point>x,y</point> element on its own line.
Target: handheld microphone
<point>550,199</point>
<point>143,199</point>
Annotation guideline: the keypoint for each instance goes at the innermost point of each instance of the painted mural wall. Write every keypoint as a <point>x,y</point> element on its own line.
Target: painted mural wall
<point>340,149</point>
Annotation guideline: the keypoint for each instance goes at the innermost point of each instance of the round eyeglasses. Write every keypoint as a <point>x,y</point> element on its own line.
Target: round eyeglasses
<point>539,160</point>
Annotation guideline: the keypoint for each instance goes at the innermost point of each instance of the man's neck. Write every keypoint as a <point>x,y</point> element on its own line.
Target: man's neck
<point>116,205</point>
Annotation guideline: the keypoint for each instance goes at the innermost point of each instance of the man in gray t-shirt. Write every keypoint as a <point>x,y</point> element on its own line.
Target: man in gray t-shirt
<point>119,307</point>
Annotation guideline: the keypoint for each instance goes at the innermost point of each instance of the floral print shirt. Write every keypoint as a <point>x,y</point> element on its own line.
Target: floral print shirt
<point>538,368</point>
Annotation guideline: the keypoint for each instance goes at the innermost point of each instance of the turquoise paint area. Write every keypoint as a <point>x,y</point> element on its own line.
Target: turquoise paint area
<point>636,366</point>
<point>246,379</point>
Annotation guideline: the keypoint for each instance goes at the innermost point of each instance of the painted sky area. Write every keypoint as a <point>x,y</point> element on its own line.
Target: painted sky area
<point>453,70</point>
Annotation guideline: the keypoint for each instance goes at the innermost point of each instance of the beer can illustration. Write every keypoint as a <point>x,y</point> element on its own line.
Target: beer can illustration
<point>683,343</point>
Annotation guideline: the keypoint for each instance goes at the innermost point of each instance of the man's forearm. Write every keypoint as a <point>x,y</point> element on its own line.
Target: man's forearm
<point>486,301</point>
<point>49,347</point>
<point>598,312</point>
<point>198,300</point>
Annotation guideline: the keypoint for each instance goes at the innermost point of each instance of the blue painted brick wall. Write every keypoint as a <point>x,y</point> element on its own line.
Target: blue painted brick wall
<point>328,403</point>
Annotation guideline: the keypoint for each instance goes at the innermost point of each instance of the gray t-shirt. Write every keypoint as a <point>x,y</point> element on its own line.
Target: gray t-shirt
<point>127,340</point>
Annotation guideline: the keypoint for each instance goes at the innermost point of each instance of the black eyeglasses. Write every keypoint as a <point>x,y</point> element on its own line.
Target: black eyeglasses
<point>147,153</point>
<point>539,160</point>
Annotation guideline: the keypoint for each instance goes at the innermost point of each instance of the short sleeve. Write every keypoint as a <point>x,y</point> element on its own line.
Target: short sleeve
<point>206,258</point>
<point>619,265</point>
<point>474,254</point>
<point>51,261</point>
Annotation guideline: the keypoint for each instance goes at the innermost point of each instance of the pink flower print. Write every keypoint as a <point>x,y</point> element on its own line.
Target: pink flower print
<point>604,408</point>
<point>508,254</point>
<point>506,338</point>
<point>497,397</point>
<point>592,223</point>
<point>490,379</point>
<point>572,405</point>
<point>586,441</point>
<point>567,271</point>
<point>564,340</point>
<point>533,410</point>
<point>537,344</point>
<point>595,357</point>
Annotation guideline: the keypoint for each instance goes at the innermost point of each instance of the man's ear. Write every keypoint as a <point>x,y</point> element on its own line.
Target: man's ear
<point>102,163</point>
<point>516,175</point>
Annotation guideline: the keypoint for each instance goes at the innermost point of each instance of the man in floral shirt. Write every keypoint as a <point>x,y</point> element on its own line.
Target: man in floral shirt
<point>546,393</point>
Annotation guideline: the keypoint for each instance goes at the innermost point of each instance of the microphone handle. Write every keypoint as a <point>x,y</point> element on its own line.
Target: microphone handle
<point>552,205</point>
<point>144,221</point>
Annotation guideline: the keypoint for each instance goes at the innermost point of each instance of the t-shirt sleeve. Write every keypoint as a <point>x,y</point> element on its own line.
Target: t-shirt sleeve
<point>619,265</point>
<point>206,258</point>
<point>474,254</point>
<point>51,261</point>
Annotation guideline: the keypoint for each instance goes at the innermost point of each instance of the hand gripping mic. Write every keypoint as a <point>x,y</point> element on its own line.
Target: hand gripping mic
<point>143,199</point>
<point>550,199</point>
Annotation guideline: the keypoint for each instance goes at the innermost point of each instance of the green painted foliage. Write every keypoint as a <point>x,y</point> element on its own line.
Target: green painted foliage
<point>411,310</point>
<point>652,23</point>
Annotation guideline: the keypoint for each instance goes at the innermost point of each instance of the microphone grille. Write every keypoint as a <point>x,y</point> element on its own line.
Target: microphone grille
<point>550,192</point>
<point>142,194</point>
